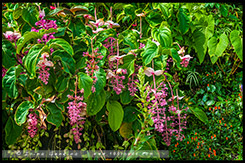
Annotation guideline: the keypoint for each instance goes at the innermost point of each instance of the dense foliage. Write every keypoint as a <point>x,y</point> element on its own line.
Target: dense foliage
<point>123,76</point>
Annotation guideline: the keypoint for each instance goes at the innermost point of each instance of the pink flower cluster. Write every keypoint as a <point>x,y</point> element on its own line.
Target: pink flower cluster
<point>132,87</point>
<point>32,124</point>
<point>165,121</point>
<point>75,109</point>
<point>45,24</point>
<point>92,66</point>
<point>110,43</point>
<point>4,70</point>
<point>117,80</point>
<point>43,70</point>
<point>12,36</point>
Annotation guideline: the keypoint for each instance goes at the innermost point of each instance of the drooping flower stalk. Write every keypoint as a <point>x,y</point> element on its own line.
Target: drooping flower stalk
<point>75,113</point>
<point>92,66</point>
<point>43,65</point>
<point>32,124</point>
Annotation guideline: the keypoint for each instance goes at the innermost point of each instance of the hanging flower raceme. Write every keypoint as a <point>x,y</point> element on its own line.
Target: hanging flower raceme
<point>165,120</point>
<point>118,74</point>
<point>45,24</point>
<point>43,65</point>
<point>110,43</point>
<point>92,66</point>
<point>76,109</point>
<point>32,124</point>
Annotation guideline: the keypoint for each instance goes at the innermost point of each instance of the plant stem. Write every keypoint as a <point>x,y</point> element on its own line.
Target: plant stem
<point>236,67</point>
<point>95,14</point>
<point>220,68</point>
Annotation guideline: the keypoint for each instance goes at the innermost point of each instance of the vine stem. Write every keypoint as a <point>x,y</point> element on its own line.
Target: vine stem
<point>95,14</point>
<point>220,68</point>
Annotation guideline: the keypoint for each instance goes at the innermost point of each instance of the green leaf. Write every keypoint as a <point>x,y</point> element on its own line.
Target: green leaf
<point>210,102</point>
<point>154,18</point>
<point>96,102</point>
<point>125,97</point>
<point>216,49</point>
<point>115,116</point>
<point>165,9</point>
<point>174,54</point>
<point>200,114</point>
<point>128,63</point>
<point>200,44</point>
<point>183,20</point>
<point>100,82</point>
<point>9,81</point>
<point>67,61</point>
<point>129,38</point>
<point>77,27</point>
<point>162,35</point>
<point>12,131</point>
<point>60,43</point>
<point>30,14</point>
<point>22,111</point>
<point>125,130</point>
<point>61,83</point>
<point>129,10</point>
<point>85,82</point>
<point>17,13</point>
<point>151,51</point>
<point>223,10</point>
<point>130,114</point>
<point>7,54</point>
<point>236,42</point>
<point>30,60</point>
<point>44,90</point>
<point>55,115</point>
<point>27,37</point>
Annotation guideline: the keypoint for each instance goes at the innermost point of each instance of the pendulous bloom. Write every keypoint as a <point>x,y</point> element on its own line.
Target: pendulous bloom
<point>32,124</point>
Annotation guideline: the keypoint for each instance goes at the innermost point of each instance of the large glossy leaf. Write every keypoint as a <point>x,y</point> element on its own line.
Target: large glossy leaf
<point>125,97</point>
<point>8,54</point>
<point>128,63</point>
<point>162,35</point>
<point>30,15</point>
<point>95,102</point>
<point>85,82</point>
<point>55,115</point>
<point>30,60</point>
<point>59,43</point>
<point>9,81</point>
<point>27,37</point>
<point>151,51</point>
<point>154,18</point>
<point>77,27</point>
<point>223,10</point>
<point>116,114</point>
<point>130,114</point>
<point>129,38</point>
<point>216,49</point>
<point>236,42</point>
<point>125,130</point>
<point>165,9</point>
<point>66,59</point>
<point>200,44</point>
<point>101,81</point>
<point>22,111</point>
<point>61,83</point>
<point>200,114</point>
<point>184,20</point>
<point>12,131</point>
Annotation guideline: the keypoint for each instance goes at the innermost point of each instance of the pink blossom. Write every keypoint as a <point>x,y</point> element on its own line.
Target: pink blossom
<point>87,16</point>
<point>12,36</point>
<point>98,23</point>
<point>41,14</point>
<point>32,124</point>
<point>150,71</point>
<point>98,30</point>
<point>185,60</point>
<point>52,7</point>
